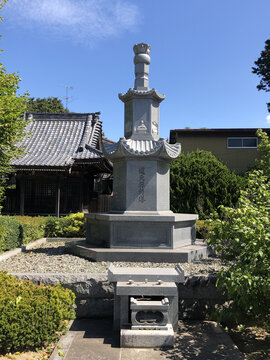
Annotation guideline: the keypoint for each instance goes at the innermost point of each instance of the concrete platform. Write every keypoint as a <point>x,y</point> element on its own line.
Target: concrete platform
<point>91,339</point>
<point>182,254</point>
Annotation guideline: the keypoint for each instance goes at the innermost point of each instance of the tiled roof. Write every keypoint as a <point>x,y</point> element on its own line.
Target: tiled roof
<point>58,140</point>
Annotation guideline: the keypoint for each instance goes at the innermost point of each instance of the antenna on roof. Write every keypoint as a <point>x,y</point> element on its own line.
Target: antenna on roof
<point>67,98</point>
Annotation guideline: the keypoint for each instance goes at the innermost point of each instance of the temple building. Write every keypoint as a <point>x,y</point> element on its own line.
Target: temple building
<point>63,169</point>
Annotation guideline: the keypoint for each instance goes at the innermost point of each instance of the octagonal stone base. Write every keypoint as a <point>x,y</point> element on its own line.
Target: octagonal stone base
<point>129,230</point>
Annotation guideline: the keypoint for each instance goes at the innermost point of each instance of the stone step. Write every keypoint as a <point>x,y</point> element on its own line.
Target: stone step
<point>182,254</point>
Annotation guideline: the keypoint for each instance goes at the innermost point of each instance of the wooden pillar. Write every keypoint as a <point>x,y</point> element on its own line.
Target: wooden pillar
<point>81,196</point>
<point>57,198</point>
<point>22,191</point>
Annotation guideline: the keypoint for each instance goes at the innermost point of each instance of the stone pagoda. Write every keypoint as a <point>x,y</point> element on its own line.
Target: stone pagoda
<point>140,221</point>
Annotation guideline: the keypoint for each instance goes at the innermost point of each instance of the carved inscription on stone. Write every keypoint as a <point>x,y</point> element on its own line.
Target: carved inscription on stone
<point>141,184</point>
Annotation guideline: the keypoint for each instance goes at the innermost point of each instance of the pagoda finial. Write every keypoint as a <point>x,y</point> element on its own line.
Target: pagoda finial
<point>141,61</point>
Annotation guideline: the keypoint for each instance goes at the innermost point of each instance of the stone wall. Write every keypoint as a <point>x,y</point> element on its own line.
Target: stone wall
<point>198,295</point>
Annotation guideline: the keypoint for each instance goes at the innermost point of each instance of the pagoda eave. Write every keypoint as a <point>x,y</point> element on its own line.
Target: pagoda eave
<point>133,93</point>
<point>142,148</point>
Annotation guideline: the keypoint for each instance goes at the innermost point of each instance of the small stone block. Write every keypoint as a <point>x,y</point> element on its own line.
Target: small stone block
<point>147,338</point>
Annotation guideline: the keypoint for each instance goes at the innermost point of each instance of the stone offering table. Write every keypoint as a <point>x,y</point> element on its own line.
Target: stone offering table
<point>145,305</point>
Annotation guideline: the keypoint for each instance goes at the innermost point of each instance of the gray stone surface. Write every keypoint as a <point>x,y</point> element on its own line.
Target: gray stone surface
<point>10,253</point>
<point>91,339</point>
<point>138,183</point>
<point>141,107</point>
<point>84,283</point>
<point>145,289</point>
<point>141,178</point>
<point>140,231</point>
<point>147,338</point>
<point>94,308</point>
<point>198,296</point>
<point>183,254</point>
<point>141,159</point>
<point>141,61</point>
<point>140,274</point>
<point>144,309</point>
<point>152,295</point>
<point>63,344</point>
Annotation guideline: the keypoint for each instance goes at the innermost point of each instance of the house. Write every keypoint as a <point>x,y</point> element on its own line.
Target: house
<point>62,166</point>
<point>237,148</point>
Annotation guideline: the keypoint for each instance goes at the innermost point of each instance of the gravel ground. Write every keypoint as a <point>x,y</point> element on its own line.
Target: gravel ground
<point>53,258</point>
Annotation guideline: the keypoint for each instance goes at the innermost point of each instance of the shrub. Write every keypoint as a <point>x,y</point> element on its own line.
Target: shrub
<point>32,228</point>
<point>10,237</point>
<point>31,316</point>
<point>242,235</point>
<point>200,183</point>
<point>2,238</point>
<point>69,226</point>
<point>203,228</point>
<point>53,227</point>
<point>264,149</point>
<point>74,225</point>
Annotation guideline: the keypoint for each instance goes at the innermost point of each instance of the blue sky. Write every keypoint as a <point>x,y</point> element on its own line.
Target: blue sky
<point>201,57</point>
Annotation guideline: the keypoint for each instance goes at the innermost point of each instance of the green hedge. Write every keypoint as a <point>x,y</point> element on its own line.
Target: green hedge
<point>20,230</point>
<point>31,316</point>
<point>32,228</point>
<point>16,231</point>
<point>70,226</point>
<point>2,238</point>
<point>10,233</point>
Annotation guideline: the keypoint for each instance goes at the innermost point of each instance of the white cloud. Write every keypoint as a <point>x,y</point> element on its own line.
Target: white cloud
<point>81,20</point>
<point>268,119</point>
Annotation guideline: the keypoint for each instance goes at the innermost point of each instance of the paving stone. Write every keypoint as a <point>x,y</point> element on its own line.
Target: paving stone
<point>205,340</point>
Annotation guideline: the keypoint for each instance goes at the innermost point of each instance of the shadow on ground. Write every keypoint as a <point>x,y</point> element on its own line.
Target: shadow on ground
<point>49,251</point>
<point>202,340</point>
<point>92,339</point>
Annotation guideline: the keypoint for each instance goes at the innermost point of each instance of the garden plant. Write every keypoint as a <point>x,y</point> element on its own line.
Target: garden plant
<point>31,316</point>
<point>241,235</point>
<point>200,183</point>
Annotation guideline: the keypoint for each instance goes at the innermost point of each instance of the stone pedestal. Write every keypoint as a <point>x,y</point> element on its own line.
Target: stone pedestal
<point>164,231</point>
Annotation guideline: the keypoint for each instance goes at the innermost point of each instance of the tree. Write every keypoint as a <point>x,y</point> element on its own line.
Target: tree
<point>262,69</point>
<point>2,3</point>
<point>200,183</point>
<point>242,235</point>
<point>12,106</point>
<point>264,149</point>
<point>45,105</point>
